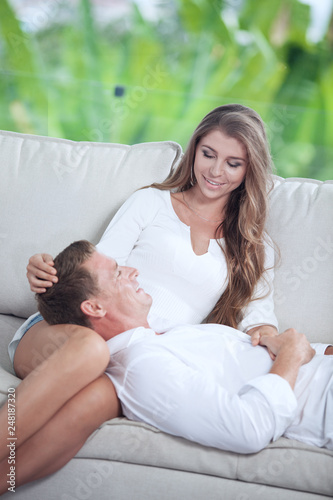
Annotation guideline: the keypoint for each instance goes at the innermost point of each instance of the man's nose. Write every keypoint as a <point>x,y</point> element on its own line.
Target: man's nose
<point>130,272</point>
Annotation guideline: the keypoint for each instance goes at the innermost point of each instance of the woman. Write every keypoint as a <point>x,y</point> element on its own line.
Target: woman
<point>202,233</point>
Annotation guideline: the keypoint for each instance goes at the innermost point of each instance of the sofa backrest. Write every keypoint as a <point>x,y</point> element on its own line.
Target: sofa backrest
<point>301,224</point>
<point>55,191</point>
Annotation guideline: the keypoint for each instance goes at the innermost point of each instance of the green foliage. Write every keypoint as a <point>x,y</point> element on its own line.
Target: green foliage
<point>60,80</point>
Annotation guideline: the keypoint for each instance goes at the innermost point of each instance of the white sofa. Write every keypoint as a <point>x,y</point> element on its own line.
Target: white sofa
<point>55,191</point>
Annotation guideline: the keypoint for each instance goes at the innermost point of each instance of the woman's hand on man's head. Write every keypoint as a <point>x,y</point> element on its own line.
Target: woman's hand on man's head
<point>41,273</point>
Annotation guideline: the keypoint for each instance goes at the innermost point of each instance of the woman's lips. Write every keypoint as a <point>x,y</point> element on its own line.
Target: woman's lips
<point>213,183</point>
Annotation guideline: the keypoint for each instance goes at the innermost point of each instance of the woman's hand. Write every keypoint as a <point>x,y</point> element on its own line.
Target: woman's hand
<point>262,331</point>
<point>41,273</point>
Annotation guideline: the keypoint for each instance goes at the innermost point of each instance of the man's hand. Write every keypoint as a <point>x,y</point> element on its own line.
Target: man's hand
<point>292,350</point>
<point>264,330</point>
<point>292,340</point>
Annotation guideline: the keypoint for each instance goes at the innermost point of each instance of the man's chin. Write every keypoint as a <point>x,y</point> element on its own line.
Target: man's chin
<point>149,299</point>
<point>141,291</point>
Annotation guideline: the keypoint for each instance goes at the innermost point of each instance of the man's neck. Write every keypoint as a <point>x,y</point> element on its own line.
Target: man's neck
<point>108,329</point>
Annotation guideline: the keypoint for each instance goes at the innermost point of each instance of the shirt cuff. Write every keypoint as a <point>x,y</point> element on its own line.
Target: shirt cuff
<point>280,397</point>
<point>260,324</point>
<point>320,348</point>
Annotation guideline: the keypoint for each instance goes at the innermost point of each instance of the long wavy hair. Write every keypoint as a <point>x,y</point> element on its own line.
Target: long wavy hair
<point>246,211</point>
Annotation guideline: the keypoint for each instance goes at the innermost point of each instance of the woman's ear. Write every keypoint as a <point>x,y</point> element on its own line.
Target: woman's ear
<point>92,308</point>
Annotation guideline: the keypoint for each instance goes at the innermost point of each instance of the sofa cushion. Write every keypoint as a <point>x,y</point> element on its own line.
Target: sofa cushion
<point>285,463</point>
<point>301,224</point>
<point>55,191</point>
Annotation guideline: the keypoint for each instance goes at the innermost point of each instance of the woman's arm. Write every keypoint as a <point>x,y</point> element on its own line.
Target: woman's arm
<point>124,230</point>
<point>117,241</point>
<point>259,316</point>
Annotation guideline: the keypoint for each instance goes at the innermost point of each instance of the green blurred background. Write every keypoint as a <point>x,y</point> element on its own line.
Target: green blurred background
<point>125,71</point>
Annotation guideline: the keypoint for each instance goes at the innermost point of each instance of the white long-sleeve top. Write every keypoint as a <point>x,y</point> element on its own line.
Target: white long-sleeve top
<point>147,234</point>
<point>208,384</point>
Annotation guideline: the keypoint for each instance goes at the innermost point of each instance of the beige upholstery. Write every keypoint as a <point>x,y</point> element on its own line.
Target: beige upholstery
<point>301,223</point>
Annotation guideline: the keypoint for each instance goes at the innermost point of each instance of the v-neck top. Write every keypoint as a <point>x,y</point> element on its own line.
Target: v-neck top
<point>147,234</point>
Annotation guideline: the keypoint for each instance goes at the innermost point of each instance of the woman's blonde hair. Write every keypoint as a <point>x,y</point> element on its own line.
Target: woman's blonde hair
<point>246,210</point>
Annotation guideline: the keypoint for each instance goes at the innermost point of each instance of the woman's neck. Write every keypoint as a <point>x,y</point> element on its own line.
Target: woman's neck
<point>210,210</point>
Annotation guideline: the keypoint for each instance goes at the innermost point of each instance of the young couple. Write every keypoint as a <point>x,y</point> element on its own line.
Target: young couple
<point>198,240</point>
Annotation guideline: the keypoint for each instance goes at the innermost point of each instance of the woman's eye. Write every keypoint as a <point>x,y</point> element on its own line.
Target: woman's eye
<point>234,165</point>
<point>206,155</point>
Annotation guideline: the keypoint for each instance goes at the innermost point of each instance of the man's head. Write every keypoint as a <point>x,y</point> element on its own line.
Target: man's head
<point>93,291</point>
<point>62,302</point>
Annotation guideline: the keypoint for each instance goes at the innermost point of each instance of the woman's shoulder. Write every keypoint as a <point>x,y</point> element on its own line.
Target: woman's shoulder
<point>153,195</point>
<point>147,201</point>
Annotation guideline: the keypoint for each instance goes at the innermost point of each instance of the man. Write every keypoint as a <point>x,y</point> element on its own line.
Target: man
<point>206,383</point>
<point>185,381</point>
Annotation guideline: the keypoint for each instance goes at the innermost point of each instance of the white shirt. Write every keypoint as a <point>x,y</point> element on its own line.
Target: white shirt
<point>147,234</point>
<point>207,383</point>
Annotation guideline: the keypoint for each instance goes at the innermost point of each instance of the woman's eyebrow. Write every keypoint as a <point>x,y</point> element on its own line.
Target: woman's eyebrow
<point>212,149</point>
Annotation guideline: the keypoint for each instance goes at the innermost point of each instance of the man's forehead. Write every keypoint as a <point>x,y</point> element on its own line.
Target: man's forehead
<point>99,261</point>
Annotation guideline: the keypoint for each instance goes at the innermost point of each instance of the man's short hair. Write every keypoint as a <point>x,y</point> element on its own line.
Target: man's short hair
<point>60,304</point>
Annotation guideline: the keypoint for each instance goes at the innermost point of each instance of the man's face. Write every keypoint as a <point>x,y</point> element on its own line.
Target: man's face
<point>119,289</point>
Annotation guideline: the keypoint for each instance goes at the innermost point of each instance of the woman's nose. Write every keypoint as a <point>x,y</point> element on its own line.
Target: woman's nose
<point>218,168</point>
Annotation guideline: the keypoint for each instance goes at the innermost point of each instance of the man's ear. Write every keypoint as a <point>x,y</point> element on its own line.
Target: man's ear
<point>93,309</point>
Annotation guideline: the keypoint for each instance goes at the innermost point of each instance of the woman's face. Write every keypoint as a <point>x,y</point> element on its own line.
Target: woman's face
<point>219,166</point>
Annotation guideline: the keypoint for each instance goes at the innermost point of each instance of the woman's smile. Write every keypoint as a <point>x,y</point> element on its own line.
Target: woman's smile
<point>213,183</point>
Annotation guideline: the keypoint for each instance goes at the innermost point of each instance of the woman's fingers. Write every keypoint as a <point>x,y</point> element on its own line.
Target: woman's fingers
<point>41,273</point>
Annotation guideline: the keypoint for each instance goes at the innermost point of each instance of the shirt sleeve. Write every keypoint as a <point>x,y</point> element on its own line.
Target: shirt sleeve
<point>124,230</point>
<point>165,392</point>
<point>320,348</point>
<point>260,310</point>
